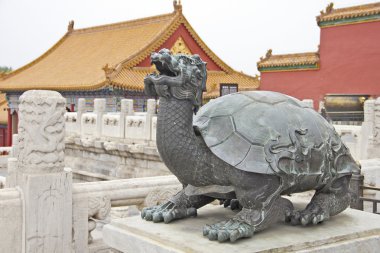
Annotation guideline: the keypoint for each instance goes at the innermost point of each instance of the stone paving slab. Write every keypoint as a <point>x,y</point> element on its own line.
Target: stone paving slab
<point>350,231</point>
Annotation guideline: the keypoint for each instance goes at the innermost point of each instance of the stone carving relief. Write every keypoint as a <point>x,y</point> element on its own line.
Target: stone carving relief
<point>111,121</point>
<point>98,210</point>
<point>41,131</point>
<point>135,122</point>
<point>70,117</point>
<point>160,195</point>
<point>89,119</point>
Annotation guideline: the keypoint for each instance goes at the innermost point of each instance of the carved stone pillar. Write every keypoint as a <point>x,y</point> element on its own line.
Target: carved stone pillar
<point>46,185</point>
<point>150,112</point>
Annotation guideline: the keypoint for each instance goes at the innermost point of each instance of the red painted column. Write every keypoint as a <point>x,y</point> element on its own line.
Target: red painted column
<point>9,132</point>
<point>72,107</point>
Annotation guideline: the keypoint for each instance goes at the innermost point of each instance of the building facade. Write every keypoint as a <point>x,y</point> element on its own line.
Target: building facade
<point>343,72</point>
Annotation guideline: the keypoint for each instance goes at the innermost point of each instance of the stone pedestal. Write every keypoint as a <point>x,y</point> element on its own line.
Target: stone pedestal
<point>39,169</point>
<point>350,231</point>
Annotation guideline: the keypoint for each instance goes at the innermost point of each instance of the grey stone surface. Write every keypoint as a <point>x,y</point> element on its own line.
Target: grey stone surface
<point>113,163</point>
<point>11,220</point>
<point>350,231</point>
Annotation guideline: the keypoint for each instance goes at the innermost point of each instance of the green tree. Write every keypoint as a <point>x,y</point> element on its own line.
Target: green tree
<point>5,69</point>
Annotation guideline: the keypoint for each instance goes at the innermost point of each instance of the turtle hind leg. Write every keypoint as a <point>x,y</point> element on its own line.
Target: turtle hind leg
<point>178,207</point>
<point>324,204</point>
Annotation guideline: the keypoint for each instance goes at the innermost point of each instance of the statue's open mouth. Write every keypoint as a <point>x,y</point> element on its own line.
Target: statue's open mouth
<point>163,68</point>
<point>166,74</point>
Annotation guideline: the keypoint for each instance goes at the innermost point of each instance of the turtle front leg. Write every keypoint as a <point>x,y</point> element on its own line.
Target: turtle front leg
<point>262,207</point>
<point>178,207</point>
<point>247,222</point>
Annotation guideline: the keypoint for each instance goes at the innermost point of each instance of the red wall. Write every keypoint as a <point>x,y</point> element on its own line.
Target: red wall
<point>349,64</point>
<point>190,42</point>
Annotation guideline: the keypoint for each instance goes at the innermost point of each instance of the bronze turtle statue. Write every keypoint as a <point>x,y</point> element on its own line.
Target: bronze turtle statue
<point>251,146</point>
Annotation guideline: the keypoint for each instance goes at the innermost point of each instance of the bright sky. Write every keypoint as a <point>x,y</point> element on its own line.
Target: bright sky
<point>239,31</point>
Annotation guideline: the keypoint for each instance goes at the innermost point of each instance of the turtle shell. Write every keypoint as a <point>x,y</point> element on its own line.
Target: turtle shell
<point>268,132</point>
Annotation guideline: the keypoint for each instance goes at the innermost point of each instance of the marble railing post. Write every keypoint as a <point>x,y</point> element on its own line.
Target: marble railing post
<point>356,183</point>
<point>150,112</point>
<point>14,151</point>
<point>369,106</point>
<point>376,129</point>
<point>126,109</point>
<point>45,184</point>
<point>81,110</point>
<point>12,164</point>
<point>99,109</point>
<point>11,213</point>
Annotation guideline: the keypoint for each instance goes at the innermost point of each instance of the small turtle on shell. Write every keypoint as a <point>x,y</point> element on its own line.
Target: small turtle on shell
<point>251,146</point>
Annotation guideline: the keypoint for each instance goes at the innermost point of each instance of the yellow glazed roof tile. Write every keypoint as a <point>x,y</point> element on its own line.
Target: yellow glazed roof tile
<point>75,62</point>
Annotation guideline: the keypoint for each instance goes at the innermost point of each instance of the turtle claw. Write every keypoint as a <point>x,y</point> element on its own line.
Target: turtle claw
<point>167,212</point>
<point>228,230</point>
<point>305,217</point>
<point>234,204</point>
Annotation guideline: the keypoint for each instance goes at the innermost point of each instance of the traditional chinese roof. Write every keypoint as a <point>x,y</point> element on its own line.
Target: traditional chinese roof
<point>93,58</point>
<point>288,62</point>
<point>349,15</point>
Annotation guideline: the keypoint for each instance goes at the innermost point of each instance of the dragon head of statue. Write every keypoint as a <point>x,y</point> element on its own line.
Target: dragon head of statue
<point>179,76</point>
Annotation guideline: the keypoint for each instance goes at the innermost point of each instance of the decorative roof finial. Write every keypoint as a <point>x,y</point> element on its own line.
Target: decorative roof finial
<point>177,6</point>
<point>328,9</point>
<point>108,70</point>
<point>70,27</point>
<point>267,55</point>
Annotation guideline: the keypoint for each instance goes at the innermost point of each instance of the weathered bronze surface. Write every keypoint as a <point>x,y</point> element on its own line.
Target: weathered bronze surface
<point>246,149</point>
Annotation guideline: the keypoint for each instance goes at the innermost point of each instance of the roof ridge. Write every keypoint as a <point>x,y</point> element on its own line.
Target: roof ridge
<point>360,6</point>
<point>293,54</point>
<point>330,14</point>
<point>205,48</point>
<point>122,24</point>
<point>160,38</point>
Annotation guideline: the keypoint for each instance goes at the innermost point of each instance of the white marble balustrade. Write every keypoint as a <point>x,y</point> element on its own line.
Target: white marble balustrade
<point>125,126</point>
